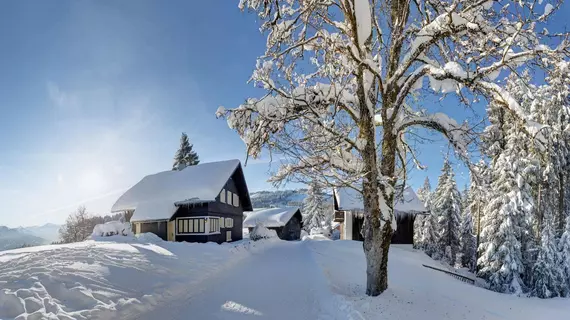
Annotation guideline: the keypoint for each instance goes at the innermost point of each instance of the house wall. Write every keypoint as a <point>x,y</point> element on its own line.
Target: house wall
<point>291,230</point>
<point>405,232</point>
<point>215,209</point>
<point>158,227</point>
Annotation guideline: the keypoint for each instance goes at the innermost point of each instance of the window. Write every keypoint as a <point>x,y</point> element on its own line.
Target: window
<point>229,198</point>
<point>197,225</point>
<point>236,200</point>
<point>214,225</point>
<point>222,225</point>
<point>229,222</point>
<point>223,196</point>
<point>228,236</point>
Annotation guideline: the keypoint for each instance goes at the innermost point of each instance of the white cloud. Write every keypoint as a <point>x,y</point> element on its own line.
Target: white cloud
<point>61,99</point>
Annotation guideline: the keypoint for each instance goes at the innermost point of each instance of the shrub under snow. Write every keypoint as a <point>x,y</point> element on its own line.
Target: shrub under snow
<point>112,228</point>
<point>261,232</point>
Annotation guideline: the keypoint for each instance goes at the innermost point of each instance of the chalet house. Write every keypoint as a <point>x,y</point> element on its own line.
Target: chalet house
<point>349,212</point>
<point>285,221</point>
<point>199,203</point>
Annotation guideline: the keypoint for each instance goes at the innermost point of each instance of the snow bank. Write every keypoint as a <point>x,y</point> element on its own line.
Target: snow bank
<point>271,217</point>
<point>416,292</point>
<point>112,228</point>
<point>319,237</point>
<point>116,278</point>
<point>261,232</point>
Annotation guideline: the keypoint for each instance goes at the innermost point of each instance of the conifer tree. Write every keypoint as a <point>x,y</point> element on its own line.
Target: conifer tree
<point>564,245</point>
<point>547,277</point>
<point>468,246</point>
<point>185,156</point>
<point>447,206</point>
<point>314,213</point>
<point>424,193</point>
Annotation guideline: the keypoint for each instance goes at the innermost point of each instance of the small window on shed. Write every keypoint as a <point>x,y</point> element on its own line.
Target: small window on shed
<point>223,196</point>
<point>229,198</point>
<point>236,200</point>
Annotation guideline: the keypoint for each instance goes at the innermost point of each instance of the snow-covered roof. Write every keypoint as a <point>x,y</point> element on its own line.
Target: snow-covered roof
<point>271,217</point>
<point>348,199</point>
<point>156,196</point>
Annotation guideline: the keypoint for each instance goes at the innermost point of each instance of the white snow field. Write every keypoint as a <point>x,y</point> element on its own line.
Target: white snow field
<point>146,278</point>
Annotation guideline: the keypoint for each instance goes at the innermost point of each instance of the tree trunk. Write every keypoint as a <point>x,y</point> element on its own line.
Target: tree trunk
<point>561,205</point>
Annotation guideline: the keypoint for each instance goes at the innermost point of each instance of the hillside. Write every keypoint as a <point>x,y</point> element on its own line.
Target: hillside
<point>15,238</point>
<point>11,238</point>
<point>278,198</point>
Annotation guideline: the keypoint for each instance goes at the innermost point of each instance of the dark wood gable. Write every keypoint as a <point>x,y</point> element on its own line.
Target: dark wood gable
<point>238,180</point>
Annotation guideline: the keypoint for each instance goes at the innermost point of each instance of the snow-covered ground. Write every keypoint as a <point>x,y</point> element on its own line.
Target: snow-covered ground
<point>150,279</point>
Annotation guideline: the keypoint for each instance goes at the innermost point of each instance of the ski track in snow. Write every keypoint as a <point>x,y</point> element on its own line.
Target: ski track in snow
<point>282,282</point>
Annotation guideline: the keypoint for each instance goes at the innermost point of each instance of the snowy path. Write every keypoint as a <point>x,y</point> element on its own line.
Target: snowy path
<point>282,282</point>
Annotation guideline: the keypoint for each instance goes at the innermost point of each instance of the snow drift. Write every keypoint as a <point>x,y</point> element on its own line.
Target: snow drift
<point>112,228</point>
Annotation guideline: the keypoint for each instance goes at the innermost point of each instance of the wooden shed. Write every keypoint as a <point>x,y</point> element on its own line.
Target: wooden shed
<point>286,221</point>
<point>199,203</point>
<point>349,212</point>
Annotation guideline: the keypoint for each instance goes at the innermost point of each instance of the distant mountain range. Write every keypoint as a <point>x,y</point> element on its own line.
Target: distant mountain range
<point>12,238</point>
<point>278,198</point>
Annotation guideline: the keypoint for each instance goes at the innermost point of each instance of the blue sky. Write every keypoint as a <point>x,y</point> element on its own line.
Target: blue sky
<point>94,95</point>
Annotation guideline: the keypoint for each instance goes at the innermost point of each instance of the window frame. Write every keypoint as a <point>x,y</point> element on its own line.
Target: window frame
<point>229,236</point>
<point>235,200</point>
<point>223,192</point>
<point>187,226</point>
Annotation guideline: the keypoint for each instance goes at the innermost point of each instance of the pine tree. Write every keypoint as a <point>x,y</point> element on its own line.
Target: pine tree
<point>185,156</point>
<point>447,206</point>
<point>547,278</point>
<point>510,204</point>
<point>468,245</point>
<point>424,193</point>
<point>564,245</point>
<point>314,215</point>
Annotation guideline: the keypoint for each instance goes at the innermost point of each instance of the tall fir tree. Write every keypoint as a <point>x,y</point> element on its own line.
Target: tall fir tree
<point>185,156</point>
<point>564,245</point>
<point>547,281</point>
<point>510,204</point>
<point>447,207</point>
<point>314,210</point>
<point>424,193</point>
<point>468,245</point>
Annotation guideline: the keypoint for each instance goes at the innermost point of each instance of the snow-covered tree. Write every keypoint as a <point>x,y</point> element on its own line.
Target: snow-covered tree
<point>468,245</point>
<point>424,193</point>
<point>510,205</point>
<point>185,156</point>
<point>547,281</point>
<point>314,209</point>
<point>564,245</point>
<point>447,207</point>
<point>341,77</point>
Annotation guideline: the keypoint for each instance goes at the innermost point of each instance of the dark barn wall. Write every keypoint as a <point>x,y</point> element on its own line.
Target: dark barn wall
<point>405,232</point>
<point>158,228</point>
<point>291,230</point>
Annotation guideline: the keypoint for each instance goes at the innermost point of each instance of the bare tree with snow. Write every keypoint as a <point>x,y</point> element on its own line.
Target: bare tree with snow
<point>342,79</point>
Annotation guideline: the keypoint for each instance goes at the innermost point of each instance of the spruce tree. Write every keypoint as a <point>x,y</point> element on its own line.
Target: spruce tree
<point>447,206</point>
<point>468,245</point>
<point>564,245</point>
<point>314,213</point>
<point>424,193</point>
<point>185,156</point>
<point>547,276</point>
<point>510,205</point>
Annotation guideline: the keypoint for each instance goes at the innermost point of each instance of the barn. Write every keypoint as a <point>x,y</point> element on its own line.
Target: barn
<point>349,212</point>
<point>285,221</point>
<point>199,203</point>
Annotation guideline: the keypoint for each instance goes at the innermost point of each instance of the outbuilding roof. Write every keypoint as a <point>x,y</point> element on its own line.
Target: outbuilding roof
<point>157,196</point>
<point>348,199</point>
<point>270,217</point>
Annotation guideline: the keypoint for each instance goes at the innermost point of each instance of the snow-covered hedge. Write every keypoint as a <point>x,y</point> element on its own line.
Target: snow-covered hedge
<point>261,232</point>
<point>112,228</point>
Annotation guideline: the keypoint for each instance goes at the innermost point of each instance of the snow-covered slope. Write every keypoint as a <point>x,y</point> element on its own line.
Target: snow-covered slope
<point>146,278</point>
<point>114,278</point>
<point>278,198</point>
<point>416,292</point>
